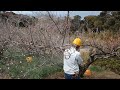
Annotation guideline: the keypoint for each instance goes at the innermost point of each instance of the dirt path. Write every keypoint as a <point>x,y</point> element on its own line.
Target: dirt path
<point>105,75</point>
<point>4,76</point>
<point>58,75</point>
<point>95,75</point>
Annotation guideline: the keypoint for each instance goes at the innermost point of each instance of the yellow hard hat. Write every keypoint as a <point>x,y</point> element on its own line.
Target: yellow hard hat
<point>87,73</point>
<point>29,59</point>
<point>77,41</point>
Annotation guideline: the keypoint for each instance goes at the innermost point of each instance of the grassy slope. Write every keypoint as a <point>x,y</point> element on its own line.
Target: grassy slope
<point>15,66</point>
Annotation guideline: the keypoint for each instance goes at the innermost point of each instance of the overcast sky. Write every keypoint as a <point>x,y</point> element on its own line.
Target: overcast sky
<point>63,13</point>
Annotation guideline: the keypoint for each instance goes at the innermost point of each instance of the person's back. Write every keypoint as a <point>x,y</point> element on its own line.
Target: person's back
<point>71,63</point>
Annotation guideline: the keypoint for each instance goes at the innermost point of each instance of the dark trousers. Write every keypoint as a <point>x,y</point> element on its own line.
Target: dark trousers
<point>69,76</point>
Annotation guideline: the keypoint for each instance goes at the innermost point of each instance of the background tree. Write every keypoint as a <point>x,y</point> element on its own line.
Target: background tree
<point>75,23</point>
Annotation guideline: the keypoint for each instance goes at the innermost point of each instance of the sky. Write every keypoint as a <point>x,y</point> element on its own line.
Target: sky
<point>61,13</point>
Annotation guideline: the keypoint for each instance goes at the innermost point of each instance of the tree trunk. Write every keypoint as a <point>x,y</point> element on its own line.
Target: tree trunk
<point>85,66</point>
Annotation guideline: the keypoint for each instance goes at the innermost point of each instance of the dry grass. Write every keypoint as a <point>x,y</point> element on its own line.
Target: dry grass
<point>85,54</point>
<point>95,75</point>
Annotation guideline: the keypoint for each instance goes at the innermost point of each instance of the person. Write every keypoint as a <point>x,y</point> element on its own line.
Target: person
<point>72,60</point>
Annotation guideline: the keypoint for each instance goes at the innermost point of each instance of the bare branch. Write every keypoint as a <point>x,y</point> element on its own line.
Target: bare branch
<point>54,22</point>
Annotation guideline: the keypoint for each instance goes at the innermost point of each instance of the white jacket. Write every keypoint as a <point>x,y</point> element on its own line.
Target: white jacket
<point>72,60</point>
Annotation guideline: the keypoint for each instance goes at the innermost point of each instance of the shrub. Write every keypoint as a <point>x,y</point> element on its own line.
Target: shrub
<point>112,64</point>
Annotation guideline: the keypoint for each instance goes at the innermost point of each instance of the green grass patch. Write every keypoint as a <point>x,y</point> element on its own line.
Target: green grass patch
<point>112,64</point>
<point>96,68</point>
<point>43,72</point>
<point>17,66</point>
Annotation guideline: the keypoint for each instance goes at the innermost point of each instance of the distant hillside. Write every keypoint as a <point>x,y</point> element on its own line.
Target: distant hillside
<point>17,19</point>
